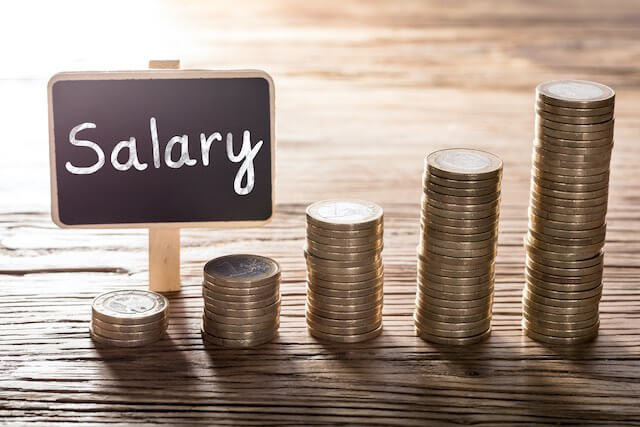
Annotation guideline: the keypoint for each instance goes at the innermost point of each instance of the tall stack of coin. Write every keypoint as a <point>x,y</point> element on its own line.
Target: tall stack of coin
<point>344,270</point>
<point>241,301</point>
<point>458,244</point>
<point>567,208</point>
<point>129,318</point>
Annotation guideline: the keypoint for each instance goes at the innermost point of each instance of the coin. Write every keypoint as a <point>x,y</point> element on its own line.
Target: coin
<point>213,327</point>
<point>555,185</point>
<point>487,237</point>
<point>142,327</point>
<point>569,179</point>
<point>453,303</point>
<point>597,291</point>
<point>349,271</point>
<point>373,239</point>
<point>469,230</point>
<point>476,252</point>
<point>339,323</point>
<point>127,336</point>
<point>426,316</point>
<point>347,339</point>
<point>563,241</point>
<point>559,318</point>
<point>573,195</point>
<point>340,256</point>
<point>568,280</point>
<point>590,262</point>
<point>561,287</point>
<point>443,281</point>
<point>576,128</point>
<point>464,192</point>
<point>576,120</point>
<point>561,333</point>
<point>462,214</point>
<point>245,305</point>
<point>430,328</point>
<point>251,335</point>
<point>238,312</point>
<point>129,307</point>
<point>571,111</point>
<point>218,296</point>
<point>594,156</point>
<point>345,293</point>
<point>462,200</point>
<point>460,245</point>
<point>243,320</point>
<point>557,310</point>
<point>247,291</point>
<point>554,216</point>
<point>450,340</point>
<point>314,247</point>
<point>343,330</point>
<point>563,271</point>
<point>548,226</point>
<point>493,183</point>
<point>426,307</point>
<point>427,291</point>
<point>559,340</point>
<point>575,94</point>
<point>346,234</point>
<point>344,214</point>
<point>329,263</point>
<point>237,343</point>
<point>463,164</point>
<point>241,270</point>
<point>122,343</point>
<point>344,315</point>
<point>344,278</point>
<point>373,298</point>
<point>349,286</point>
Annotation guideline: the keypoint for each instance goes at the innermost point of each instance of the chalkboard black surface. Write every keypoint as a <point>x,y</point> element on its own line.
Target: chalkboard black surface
<point>161,147</point>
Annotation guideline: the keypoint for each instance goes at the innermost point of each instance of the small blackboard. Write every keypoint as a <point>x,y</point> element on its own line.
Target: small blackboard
<point>161,147</point>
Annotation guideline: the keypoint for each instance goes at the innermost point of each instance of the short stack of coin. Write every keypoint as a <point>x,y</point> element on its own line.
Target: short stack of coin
<point>241,301</point>
<point>344,270</point>
<point>129,318</point>
<point>567,209</point>
<point>458,244</point>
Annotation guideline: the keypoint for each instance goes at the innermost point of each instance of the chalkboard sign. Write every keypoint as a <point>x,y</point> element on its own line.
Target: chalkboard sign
<point>161,148</point>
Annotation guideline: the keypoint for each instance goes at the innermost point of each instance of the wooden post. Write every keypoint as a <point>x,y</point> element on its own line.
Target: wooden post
<point>164,243</point>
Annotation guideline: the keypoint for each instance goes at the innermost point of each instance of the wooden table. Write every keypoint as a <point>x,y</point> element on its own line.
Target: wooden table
<point>363,91</point>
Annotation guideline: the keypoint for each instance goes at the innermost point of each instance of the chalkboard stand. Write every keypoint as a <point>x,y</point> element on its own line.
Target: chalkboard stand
<point>164,243</point>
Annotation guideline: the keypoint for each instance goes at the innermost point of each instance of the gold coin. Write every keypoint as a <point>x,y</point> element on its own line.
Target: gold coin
<point>563,241</point>
<point>339,256</point>
<point>344,315</point>
<point>493,183</point>
<point>346,339</point>
<point>242,291</point>
<point>463,192</point>
<point>123,343</point>
<point>558,340</point>
<point>162,323</point>
<point>376,230</point>
<point>224,310</point>
<point>220,329</point>
<point>241,270</point>
<point>570,111</point>
<point>347,214</point>
<point>575,94</point>
<point>560,325</point>
<point>490,227</point>
<point>343,330</point>
<point>565,295</point>
<point>462,200</point>
<point>243,320</point>
<point>330,263</point>
<point>575,120</point>
<point>563,333</point>
<point>561,287</point>
<point>344,278</point>
<point>426,307</point>
<point>127,336</point>
<point>321,248</point>
<point>463,164</point>
<point>373,239</point>
<point>562,303</point>
<point>569,179</point>
<point>246,305</point>
<point>562,186</point>
<point>452,341</point>
<point>558,310</point>
<point>427,316</point>
<point>339,323</point>
<point>218,296</point>
<point>437,280</point>
<point>488,237</point>
<point>342,286</point>
<point>590,262</point>
<point>456,303</point>
<point>237,343</point>
<point>568,280</point>
<point>560,318</point>
<point>575,128</point>
<point>370,299</point>
<point>554,216</point>
<point>456,295</point>
<point>563,271</point>
<point>604,150</point>
<point>462,333</point>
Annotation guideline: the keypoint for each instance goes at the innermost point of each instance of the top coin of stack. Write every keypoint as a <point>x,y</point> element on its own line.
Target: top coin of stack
<point>129,318</point>
<point>241,300</point>
<point>458,244</point>
<point>567,208</point>
<point>344,270</point>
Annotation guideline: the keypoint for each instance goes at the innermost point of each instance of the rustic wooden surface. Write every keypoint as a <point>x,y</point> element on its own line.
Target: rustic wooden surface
<point>364,90</point>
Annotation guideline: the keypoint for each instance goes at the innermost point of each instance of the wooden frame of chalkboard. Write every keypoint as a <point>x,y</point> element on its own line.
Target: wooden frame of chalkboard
<point>156,75</point>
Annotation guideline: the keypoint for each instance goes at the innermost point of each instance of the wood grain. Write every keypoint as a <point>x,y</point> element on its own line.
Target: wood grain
<point>364,89</point>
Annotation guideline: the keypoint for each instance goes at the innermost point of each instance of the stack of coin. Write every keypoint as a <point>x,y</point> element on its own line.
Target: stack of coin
<point>567,208</point>
<point>241,301</point>
<point>129,318</point>
<point>344,270</point>
<point>458,244</point>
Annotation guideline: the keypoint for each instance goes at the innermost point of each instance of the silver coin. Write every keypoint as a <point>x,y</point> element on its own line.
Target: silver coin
<point>129,307</point>
<point>241,270</point>
<point>344,214</point>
